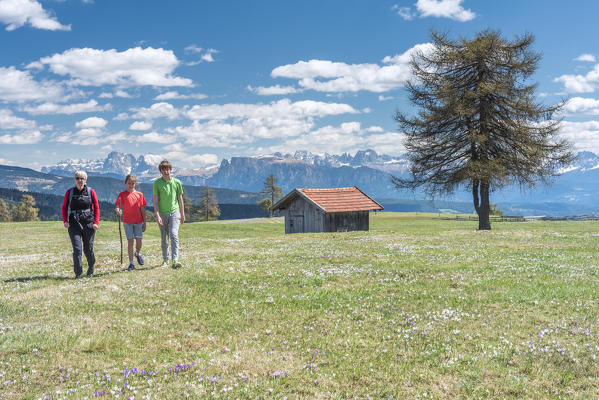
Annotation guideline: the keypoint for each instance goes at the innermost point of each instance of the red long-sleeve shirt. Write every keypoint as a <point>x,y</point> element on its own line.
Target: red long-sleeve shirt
<point>95,206</point>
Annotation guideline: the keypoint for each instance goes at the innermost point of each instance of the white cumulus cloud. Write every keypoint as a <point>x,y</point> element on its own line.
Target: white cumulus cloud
<point>186,160</point>
<point>206,55</point>
<point>20,86</point>
<point>582,105</point>
<point>157,110</point>
<point>274,90</point>
<point>583,135</point>
<point>92,137</point>
<point>404,12</point>
<point>336,77</point>
<point>213,134</point>
<point>581,83</point>
<point>174,95</point>
<point>155,137</point>
<point>17,13</point>
<point>347,137</point>
<point>10,121</point>
<point>329,138</point>
<point>192,48</point>
<point>585,57</point>
<point>122,94</point>
<point>118,93</point>
<point>444,9</point>
<point>91,122</point>
<point>68,109</point>
<point>276,110</point>
<point>386,143</point>
<point>232,124</point>
<point>140,126</point>
<point>25,137</point>
<point>23,131</point>
<point>132,67</point>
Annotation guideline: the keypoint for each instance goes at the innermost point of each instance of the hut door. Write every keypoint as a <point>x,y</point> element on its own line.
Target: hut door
<point>296,224</point>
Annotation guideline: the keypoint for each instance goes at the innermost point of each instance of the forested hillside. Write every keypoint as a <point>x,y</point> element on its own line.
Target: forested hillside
<point>50,206</point>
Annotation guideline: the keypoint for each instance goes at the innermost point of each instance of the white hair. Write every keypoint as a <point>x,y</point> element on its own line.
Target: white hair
<point>81,174</point>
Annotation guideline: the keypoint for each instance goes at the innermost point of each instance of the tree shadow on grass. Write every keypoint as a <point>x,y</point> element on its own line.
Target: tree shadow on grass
<point>68,278</point>
<point>124,270</point>
<point>37,278</point>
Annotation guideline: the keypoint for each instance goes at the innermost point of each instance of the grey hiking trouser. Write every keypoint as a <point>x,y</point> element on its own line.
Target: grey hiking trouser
<point>170,230</point>
<point>82,234</point>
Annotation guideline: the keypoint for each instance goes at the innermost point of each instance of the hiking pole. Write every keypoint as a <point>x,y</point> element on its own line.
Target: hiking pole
<point>121,233</point>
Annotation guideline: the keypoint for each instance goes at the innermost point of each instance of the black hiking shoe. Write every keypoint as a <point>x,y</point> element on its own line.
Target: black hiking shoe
<point>140,259</point>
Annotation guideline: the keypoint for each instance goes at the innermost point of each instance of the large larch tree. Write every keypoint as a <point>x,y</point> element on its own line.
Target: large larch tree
<point>478,124</point>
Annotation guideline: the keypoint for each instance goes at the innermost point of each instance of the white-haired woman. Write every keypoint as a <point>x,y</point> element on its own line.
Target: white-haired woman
<point>81,216</point>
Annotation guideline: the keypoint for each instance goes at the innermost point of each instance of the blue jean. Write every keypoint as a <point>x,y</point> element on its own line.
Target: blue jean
<point>170,230</point>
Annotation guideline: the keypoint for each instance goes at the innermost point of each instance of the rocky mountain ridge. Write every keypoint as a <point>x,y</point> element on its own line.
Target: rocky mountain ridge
<point>366,169</point>
<point>115,165</point>
<point>574,190</point>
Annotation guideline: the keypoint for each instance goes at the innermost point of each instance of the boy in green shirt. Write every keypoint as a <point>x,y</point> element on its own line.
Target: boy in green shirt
<point>169,210</point>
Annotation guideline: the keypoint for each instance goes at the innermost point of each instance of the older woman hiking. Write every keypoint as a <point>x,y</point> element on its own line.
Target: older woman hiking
<point>81,216</point>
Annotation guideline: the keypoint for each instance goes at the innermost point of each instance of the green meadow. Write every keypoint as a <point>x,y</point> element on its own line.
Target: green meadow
<point>416,308</point>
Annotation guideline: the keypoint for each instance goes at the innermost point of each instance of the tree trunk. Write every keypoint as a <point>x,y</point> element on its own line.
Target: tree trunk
<point>480,197</point>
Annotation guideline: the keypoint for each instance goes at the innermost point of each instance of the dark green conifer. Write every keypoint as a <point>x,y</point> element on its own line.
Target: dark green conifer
<point>207,208</point>
<point>270,193</point>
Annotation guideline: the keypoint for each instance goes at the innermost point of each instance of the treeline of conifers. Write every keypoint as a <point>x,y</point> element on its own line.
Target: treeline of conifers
<point>16,206</point>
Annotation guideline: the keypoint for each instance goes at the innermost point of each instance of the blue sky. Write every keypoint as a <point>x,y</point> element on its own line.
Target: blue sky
<point>199,81</point>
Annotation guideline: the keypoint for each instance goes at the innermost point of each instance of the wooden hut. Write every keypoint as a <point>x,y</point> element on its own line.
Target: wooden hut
<point>326,210</point>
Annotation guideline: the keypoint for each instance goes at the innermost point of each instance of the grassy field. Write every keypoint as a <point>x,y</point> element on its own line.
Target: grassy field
<point>416,308</point>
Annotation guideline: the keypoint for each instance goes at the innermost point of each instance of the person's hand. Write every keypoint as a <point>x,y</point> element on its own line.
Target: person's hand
<point>182,218</point>
<point>143,227</point>
<point>95,227</point>
<point>66,225</point>
<point>158,219</point>
<point>118,211</point>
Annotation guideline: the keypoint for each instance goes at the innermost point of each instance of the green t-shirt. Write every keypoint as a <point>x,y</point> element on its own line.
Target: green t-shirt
<point>167,193</point>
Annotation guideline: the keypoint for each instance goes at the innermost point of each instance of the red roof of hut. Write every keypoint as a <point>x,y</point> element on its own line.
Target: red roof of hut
<point>334,199</point>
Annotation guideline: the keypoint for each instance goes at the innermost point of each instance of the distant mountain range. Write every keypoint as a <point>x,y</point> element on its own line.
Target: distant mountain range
<point>107,188</point>
<point>366,169</point>
<point>115,165</point>
<point>233,203</point>
<point>574,191</point>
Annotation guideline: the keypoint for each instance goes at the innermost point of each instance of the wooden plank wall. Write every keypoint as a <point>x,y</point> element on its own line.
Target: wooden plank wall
<point>347,221</point>
<point>313,217</point>
<point>314,220</point>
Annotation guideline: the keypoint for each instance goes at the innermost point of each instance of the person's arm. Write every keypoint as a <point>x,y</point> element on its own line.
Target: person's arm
<point>181,207</point>
<point>142,210</point>
<point>96,208</point>
<point>155,200</point>
<point>65,207</point>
